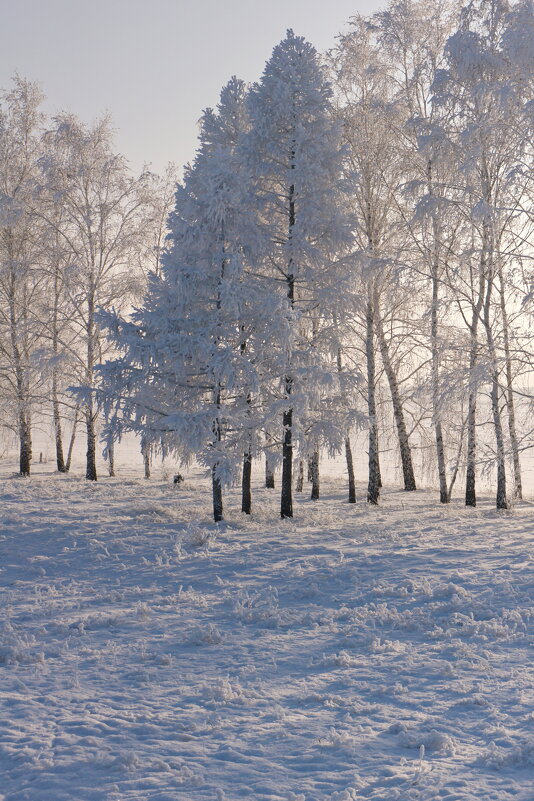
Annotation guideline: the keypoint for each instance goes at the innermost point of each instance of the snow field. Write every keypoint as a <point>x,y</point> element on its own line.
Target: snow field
<point>349,654</point>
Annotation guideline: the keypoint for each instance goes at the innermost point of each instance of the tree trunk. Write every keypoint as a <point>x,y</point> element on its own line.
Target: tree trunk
<point>72,439</point>
<point>145,453</point>
<point>90,470</point>
<point>501,501</point>
<point>373,487</point>
<point>436,406</point>
<point>350,471</point>
<point>348,450</point>
<point>216,481</point>
<point>246,491</point>
<point>111,459</point>
<point>398,412</point>
<point>314,461</point>
<point>269,474</point>
<point>60,460</point>
<point>217,495</point>
<point>25,439</point>
<point>470,475</point>
<point>286,500</point>
<point>457,462</point>
<point>440,450</point>
<point>20,362</point>
<point>510,403</point>
<point>300,477</point>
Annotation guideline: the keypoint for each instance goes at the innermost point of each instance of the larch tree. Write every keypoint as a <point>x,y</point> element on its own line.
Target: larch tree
<point>294,152</point>
<point>191,359</point>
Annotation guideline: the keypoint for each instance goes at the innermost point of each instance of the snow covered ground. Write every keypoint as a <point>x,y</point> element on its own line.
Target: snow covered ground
<point>352,653</point>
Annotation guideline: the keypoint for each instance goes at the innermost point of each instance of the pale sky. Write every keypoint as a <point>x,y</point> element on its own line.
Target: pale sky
<point>153,64</point>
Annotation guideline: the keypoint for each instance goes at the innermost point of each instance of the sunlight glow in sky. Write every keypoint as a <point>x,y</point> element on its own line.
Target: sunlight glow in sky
<point>154,64</point>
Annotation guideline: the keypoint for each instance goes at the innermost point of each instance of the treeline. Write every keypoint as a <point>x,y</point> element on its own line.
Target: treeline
<point>351,247</point>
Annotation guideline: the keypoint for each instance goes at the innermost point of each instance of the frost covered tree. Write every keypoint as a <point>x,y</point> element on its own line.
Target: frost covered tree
<point>190,373</point>
<point>413,33</point>
<point>476,92</point>
<point>160,190</point>
<point>367,106</point>
<point>21,280</point>
<point>294,152</point>
<point>102,225</point>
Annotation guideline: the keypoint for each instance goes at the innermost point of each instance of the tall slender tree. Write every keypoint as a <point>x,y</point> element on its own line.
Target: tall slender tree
<point>294,152</point>
<point>21,281</point>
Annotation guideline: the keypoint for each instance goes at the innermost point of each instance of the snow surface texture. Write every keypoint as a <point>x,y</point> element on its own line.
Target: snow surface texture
<point>352,653</point>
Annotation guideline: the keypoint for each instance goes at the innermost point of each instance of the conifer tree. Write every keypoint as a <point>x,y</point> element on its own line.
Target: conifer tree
<point>193,357</point>
<point>293,151</point>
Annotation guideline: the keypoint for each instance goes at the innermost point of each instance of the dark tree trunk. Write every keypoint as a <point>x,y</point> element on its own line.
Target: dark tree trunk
<point>216,481</point>
<point>25,438</point>
<point>350,471</point>
<point>286,502</point>
<point>314,461</point>
<point>217,496</point>
<point>90,471</point>
<point>501,501</point>
<point>60,460</point>
<point>246,491</point>
<point>348,450</point>
<point>300,477</point>
<point>444,496</point>
<point>269,474</point>
<point>145,453</point>
<point>470,474</point>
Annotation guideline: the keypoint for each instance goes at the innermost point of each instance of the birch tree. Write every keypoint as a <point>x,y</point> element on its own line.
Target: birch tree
<point>490,153</point>
<point>367,107</point>
<point>21,281</point>
<point>102,224</point>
